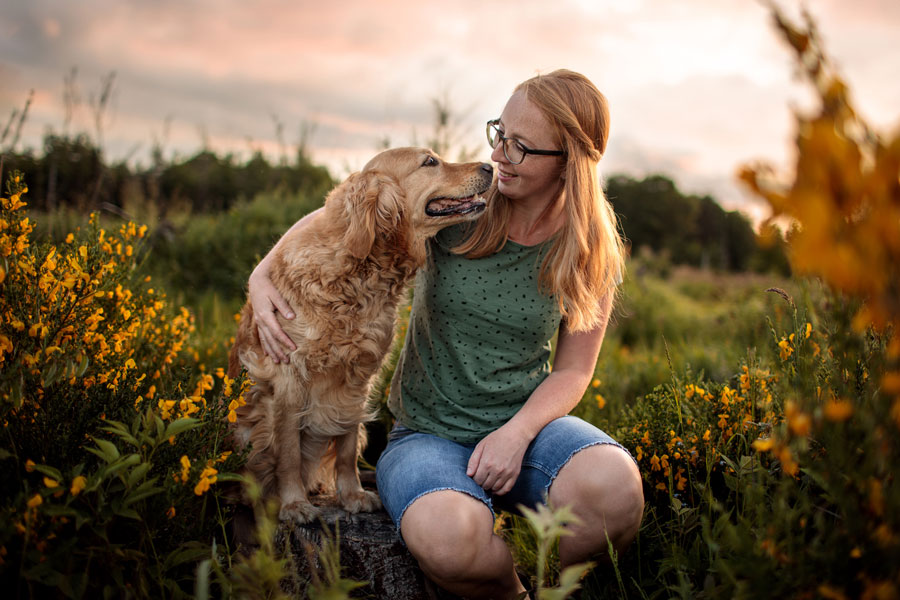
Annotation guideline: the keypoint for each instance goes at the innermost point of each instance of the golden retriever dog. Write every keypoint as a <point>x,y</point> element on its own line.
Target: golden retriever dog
<point>344,274</point>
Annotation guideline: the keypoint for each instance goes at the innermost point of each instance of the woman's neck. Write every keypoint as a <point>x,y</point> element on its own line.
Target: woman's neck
<point>531,224</point>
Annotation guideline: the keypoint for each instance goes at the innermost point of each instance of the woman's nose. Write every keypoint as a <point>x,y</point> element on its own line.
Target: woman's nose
<point>497,154</point>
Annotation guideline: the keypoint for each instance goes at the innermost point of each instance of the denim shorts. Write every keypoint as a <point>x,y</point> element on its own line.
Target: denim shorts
<point>414,464</point>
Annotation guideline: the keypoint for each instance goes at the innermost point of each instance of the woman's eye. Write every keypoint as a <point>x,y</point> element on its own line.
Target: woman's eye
<point>430,162</point>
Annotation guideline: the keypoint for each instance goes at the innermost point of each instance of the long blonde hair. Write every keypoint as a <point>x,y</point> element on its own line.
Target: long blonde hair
<point>587,260</point>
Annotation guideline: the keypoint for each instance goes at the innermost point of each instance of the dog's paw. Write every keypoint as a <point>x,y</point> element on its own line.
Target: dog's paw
<point>298,512</point>
<point>360,501</point>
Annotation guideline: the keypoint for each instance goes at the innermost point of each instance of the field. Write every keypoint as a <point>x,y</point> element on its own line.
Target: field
<point>763,411</point>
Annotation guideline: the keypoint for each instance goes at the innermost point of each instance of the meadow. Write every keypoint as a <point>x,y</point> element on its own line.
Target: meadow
<point>763,410</point>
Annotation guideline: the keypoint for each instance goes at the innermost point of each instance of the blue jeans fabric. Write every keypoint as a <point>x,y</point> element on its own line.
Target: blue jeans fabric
<point>414,464</point>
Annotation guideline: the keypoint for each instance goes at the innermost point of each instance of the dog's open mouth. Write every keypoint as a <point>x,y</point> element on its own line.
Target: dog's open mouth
<point>441,207</point>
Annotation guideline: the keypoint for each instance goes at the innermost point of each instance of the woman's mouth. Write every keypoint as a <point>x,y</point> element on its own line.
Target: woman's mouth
<point>504,176</point>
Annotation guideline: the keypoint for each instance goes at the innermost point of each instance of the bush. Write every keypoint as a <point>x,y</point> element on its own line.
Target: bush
<point>113,440</point>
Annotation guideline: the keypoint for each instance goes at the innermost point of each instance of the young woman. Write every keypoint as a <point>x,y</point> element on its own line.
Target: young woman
<point>481,417</point>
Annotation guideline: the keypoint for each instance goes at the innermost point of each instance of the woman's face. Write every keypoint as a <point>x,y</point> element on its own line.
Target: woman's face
<point>537,178</point>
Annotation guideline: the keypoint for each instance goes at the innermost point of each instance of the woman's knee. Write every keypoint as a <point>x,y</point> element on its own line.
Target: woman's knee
<point>445,530</point>
<point>603,486</point>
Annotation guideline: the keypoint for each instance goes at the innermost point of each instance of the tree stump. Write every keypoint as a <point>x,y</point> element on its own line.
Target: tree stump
<point>370,552</point>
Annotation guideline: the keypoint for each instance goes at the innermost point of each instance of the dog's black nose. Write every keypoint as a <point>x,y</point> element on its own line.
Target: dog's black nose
<point>487,168</point>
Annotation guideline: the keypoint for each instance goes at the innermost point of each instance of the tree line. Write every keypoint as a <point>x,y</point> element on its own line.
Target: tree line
<point>655,217</point>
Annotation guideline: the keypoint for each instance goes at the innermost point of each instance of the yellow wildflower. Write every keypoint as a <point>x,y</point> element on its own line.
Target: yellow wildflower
<point>78,484</point>
<point>837,410</point>
<point>785,349</point>
<point>185,468</point>
<point>207,478</point>
<point>890,383</point>
<point>50,482</point>
<point>763,444</point>
<point>601,401</point>
<point>798,421</point>
<point>35,501</point>
<point>171,512</point>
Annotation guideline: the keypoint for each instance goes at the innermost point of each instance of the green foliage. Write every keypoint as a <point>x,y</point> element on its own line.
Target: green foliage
<point>108,462</point>
<point>693,230</point>
<point>548,526</point>
<point>71,172</point>
<point>216,252</point>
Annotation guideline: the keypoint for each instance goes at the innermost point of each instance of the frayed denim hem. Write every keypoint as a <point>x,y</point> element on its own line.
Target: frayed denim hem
<point>553,476</point>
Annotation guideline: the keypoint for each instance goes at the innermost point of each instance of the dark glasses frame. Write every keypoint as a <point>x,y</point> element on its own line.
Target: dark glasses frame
<point>493,129</point>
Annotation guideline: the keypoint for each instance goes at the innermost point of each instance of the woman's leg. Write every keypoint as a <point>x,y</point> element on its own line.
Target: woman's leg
<point>443,516</point>
<point>451,535</point>
<point>603,486</point>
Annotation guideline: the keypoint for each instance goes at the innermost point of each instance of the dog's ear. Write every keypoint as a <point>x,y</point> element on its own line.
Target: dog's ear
<point>373,202</point>
<point>360,200</point>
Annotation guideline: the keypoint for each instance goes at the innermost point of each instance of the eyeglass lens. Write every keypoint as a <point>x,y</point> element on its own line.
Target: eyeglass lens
<point>511,148</point>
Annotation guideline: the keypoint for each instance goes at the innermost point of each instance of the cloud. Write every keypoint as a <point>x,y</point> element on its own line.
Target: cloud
<point>696,86</point>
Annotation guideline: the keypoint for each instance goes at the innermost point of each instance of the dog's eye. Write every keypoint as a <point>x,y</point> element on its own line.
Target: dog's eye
<point>430,162</point>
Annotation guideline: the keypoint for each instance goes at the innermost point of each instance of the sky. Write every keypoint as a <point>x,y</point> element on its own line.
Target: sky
<point>696,88</point>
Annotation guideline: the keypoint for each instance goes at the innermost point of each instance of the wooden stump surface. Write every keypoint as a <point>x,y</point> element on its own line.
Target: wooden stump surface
<point>370,551</point>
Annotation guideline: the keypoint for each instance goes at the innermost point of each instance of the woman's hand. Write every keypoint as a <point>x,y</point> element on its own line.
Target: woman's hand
<point>266,301</point>
<point>497,459</point>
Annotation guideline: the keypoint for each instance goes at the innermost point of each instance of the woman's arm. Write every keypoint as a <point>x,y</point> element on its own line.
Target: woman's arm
<point>497,459</point>
<point>266,301</point>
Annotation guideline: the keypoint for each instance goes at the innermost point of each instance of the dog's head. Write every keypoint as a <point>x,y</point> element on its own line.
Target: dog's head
<point>408,195</point>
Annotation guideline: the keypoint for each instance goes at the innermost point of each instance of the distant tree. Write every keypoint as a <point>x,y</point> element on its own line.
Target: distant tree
<point>656,215</point>
<point>688,229</point>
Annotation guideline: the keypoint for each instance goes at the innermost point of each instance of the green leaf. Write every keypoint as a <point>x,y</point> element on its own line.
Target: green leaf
<point>146,489</point>
<point>180,426</point>
<point>49,374</point>
<point>120,430</point>
<point>107,450</point>
<point>83,366</point>
<point>118,465</point>
<point>49,472</point>
<point>128,513</point>
<point>137,474</point>
<point>54,510</point>
<point>187,553</point>
<point>201,582</point>
<point>230,477</point>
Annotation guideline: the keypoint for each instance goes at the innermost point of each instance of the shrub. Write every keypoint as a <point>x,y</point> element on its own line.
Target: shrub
<point>114,442</point>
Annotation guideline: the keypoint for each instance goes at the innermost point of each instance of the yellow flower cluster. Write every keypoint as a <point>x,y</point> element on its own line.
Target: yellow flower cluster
<point>207,476</point>
<point>667,457</point>
<point>67,315</point>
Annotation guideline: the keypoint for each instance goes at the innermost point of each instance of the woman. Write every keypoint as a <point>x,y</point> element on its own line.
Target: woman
<point>481,418</point>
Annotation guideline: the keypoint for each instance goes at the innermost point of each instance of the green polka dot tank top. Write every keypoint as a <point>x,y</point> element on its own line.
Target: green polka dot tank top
<point>478,342</point>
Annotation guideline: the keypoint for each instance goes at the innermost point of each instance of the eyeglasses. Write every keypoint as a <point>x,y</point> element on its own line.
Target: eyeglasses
<point>514,150</point>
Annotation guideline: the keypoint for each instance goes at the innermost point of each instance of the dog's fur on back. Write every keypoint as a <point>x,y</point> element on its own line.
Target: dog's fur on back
<point>343,274</point>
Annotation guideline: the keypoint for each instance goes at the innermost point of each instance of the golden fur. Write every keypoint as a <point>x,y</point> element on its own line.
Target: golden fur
<point>343,274</point>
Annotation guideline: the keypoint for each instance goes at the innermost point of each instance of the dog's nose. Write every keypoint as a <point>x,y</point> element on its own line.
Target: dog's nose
<point>488,169</point>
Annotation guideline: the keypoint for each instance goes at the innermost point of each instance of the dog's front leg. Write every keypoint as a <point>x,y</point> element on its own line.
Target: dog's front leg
<point>352,496</point>
<point>295,506</point>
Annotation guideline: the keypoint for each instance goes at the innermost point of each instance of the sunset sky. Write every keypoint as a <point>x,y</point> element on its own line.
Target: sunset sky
<point>696,87</point>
